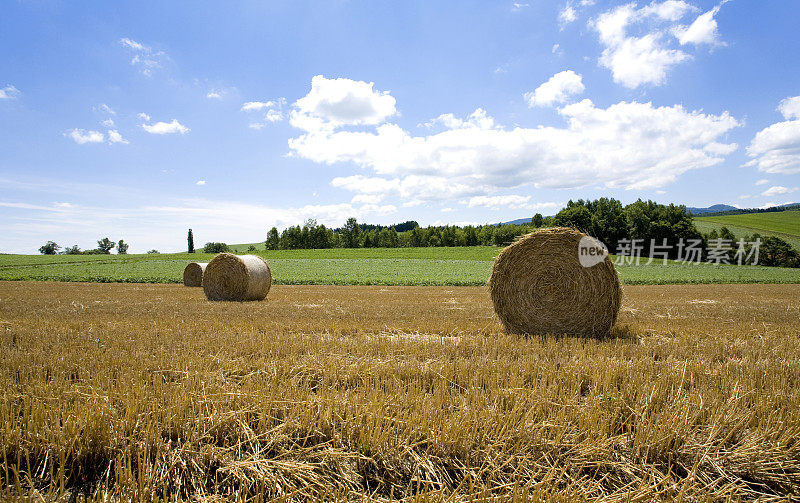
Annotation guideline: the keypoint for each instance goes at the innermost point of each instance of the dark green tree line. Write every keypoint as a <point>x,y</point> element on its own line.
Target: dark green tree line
<point>607,219</point>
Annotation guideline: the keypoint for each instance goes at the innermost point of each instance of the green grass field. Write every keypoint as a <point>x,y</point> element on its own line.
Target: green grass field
<point>372,266</point>
<point>784,224</point>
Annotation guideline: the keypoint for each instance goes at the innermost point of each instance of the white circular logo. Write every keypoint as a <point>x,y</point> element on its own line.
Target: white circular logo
<point>591,251</point>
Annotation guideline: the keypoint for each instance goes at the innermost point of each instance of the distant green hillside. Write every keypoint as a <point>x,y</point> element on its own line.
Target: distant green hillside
<point>243,248</point>
<point>784,224</point>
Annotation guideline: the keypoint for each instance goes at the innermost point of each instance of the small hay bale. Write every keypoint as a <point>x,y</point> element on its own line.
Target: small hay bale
<point>237,277</point>
<point>193,273</point>
<point>538,286</point>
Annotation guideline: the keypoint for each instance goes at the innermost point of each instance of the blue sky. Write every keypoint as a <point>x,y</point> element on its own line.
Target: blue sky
<point>140,120</point>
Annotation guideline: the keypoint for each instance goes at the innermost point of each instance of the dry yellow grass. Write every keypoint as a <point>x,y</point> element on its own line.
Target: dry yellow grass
<point>151,392</point>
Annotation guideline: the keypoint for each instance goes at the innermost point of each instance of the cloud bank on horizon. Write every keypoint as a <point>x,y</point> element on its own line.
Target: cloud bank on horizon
<point>622,100</point>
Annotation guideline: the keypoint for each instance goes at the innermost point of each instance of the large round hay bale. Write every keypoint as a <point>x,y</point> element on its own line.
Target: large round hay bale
<point>539,286</point>
<point>237,277</point>
<point>193,273</point>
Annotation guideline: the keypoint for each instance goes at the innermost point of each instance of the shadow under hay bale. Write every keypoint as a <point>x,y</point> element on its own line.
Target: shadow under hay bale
<point>538,286</point>
<point>193,274</point>
<point>237,278</point>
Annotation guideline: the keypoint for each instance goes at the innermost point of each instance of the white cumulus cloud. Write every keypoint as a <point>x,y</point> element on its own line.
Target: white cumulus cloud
<point>367,199</point>
<point>256,105</point>
<point>790,108</point>
<point>171,127</point>
<point>200,182</point>
<point>703,29</point>
<point>339,102</point>
<point>9,92</point>
<point>778,190</point>
<point>640,60</point>
<point>81,136</point>
<point>477,119</point>
<point>568,14</point>
<point>638,43</point>
<point>216,94</point>
<point>671,10</point>
<point>556,90</point>
<point>269,111</point>
<point>571,10</point>
<point>634,61</point>
<point>776,148</point>
<point>273,116</point>
<point>115,137</point>
<point>627,145</point>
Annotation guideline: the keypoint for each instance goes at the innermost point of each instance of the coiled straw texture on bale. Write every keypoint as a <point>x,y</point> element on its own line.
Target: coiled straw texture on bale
<point>237,277</point>
<point>538,286</point>
<point>193,273</point>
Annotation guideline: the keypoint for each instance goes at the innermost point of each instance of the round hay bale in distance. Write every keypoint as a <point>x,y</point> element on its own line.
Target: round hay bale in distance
<point>193,273</point>
<point>539,285</point>
<point>237,277</point>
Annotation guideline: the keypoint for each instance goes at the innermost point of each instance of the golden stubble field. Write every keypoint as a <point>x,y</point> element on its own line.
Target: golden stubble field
<point>150,392</point>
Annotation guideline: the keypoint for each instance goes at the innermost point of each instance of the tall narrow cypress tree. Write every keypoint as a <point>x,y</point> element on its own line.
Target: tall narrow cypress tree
<point>190,239</point>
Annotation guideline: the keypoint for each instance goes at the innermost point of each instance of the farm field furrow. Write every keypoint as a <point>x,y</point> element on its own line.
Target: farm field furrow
<point>145,392</point>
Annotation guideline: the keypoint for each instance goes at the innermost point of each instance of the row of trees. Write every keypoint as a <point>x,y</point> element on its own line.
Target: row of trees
<point>776,252</point>
<point>212,247</point>
<point>104,246</point>
<point>607,219</point>
<point>314,235</point>
<point>773,251</point>
<point>354,235</point>
<point>653,224</point>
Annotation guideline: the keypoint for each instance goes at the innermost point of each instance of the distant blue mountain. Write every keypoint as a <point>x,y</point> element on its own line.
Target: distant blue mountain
<point>518,221</point>
<point>724,209</point>
<point>712,209</point>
